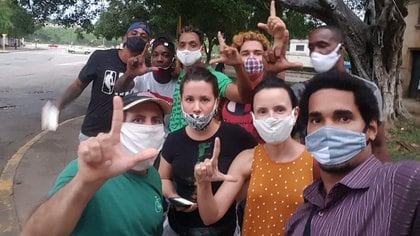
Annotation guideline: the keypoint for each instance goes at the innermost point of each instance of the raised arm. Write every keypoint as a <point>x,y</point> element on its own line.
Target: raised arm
<point>213,207</point>
<point>275,59</point>
<point>241,91</point>
<point>100,158</point>
<point>136,66</point>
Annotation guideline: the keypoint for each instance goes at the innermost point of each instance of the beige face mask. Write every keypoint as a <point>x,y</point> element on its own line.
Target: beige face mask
<point>187,57</point>
<point>137,137</point>
<point>274,130</point>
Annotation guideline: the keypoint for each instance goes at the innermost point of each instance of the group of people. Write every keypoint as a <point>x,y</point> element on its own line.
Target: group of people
<point>250,156</point>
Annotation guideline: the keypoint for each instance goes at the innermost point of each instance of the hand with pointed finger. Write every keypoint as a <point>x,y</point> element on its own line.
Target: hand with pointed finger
<point>228,55</point>
<point>274,26</point>
<point>136,66</point>
<point>275,61</point>
<point>208,171</point>
<point>103,156</point>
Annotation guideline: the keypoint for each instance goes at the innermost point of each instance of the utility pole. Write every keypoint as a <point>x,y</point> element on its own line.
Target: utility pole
<point>4,41</point>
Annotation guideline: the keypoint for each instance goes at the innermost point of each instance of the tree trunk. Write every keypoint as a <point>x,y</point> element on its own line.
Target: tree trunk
<point>374,46</point>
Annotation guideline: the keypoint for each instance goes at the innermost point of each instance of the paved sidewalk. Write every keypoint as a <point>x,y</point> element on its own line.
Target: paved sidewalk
<point>31,172</point>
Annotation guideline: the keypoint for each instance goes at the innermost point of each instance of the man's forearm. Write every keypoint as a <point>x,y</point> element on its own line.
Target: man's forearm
<point>71,93</point>
<point>124,83</point>
<point>60,213</point>
<point>243,83</point>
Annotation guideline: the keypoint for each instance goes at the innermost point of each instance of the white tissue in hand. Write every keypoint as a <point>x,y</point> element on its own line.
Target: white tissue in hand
<point>49,118</point>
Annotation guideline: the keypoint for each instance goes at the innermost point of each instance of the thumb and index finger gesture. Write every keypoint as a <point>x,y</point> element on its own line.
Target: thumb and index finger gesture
<point>103,156</point>
<point>208,169</point>
<point>275,60</point>
<point>137,66</point>
<point>274,26</point>
<point>228,55</point>
<point>115,134</point>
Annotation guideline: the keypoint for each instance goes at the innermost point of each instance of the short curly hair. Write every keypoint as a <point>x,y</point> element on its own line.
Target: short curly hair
<point>240,38</point>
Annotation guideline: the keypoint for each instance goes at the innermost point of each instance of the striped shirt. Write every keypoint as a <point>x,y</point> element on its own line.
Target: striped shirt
<point>373,199</point>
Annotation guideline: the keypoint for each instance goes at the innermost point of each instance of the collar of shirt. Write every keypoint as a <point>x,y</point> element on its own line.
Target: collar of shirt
<point>358,179</point>
<point>182,73</point>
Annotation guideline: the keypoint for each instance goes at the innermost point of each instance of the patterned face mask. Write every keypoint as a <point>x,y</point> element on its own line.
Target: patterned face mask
<point>253,65</point>
<point>199,122</point>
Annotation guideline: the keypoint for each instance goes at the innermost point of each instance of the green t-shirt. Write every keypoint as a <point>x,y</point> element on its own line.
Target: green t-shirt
<point>128,204</point>
<point>177,121</point>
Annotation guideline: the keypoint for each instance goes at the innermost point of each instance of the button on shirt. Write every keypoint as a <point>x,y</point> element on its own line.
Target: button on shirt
<point>373,199</point>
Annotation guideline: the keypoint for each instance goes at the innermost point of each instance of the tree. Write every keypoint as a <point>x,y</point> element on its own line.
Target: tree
<point>229,17</point>
<point>210,17</point>
<point>14,20</point>
<point>5,14</point>
<point>374,44</point>
<point>63,12</point>
<point>113,22</point>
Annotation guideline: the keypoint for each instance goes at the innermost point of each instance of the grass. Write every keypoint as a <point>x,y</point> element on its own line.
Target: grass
<point>403,140</point>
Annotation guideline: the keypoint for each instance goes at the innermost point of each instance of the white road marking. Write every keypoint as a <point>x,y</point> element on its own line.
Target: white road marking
<point>72,63</point>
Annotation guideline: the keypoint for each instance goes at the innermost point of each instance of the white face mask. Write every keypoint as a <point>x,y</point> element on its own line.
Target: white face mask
<point>137,137</point>
<point>274,130</point>
<point>323,63</point>
<point>187,57</point>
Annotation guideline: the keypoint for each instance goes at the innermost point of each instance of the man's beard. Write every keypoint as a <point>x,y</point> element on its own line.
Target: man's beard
<point>338,168</point>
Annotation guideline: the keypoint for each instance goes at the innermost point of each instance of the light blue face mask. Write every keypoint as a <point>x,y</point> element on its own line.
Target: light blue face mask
<point>331,145</point>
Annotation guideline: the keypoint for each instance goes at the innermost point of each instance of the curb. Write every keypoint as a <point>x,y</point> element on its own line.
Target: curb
<point>9,220</point>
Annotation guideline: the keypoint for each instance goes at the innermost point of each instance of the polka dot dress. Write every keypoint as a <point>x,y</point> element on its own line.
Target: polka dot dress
<point>274,192</point>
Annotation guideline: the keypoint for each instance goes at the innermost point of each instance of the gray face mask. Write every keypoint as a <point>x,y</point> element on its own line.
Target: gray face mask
<point>331,145</point>
<point>199,122</point>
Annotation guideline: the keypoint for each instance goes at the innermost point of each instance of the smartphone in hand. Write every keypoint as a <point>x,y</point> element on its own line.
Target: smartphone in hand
<point>180,202</point>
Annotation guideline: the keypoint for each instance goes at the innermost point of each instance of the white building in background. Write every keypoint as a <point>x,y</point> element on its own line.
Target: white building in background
<point>410,67</point>
<point>299,52</point>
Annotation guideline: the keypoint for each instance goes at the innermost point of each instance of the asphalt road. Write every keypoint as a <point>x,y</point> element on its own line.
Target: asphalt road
<point>28,79</point>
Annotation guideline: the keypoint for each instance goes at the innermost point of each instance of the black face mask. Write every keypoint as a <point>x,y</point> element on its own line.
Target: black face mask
<point>135,44</point>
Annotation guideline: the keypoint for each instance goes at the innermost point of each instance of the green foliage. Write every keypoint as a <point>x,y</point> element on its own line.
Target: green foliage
<point>113,22</point>
<point>229,17</point>
<point>298,24</point>
<point>62,35</point>
<point>64,12</point>
<point>14,20</point>
<point>211,16</point>
<point>5,13</point>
